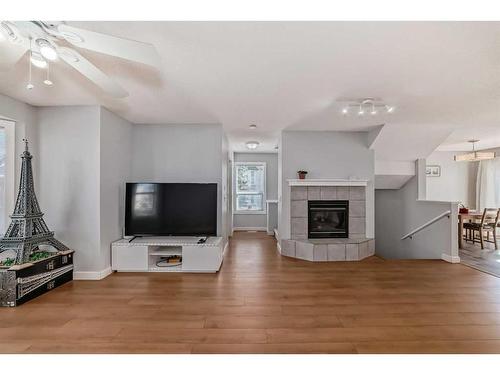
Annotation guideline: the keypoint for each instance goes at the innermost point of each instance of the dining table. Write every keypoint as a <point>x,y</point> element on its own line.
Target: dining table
<point>464,217</point>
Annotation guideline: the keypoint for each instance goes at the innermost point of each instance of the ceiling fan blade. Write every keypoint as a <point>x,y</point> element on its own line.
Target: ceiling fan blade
<point>144,53</point>
<point>13,45</point>
<point>92,73</point>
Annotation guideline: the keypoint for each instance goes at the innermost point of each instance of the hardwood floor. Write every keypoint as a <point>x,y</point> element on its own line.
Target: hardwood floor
<point>261,302</point>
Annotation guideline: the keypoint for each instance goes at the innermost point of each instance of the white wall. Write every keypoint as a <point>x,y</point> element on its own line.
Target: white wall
<point>69,179</point>
<point>179,153</point>
<point>242,220</point>
<point>325,155</point>
<point>115,169</point>
<point>457,181</point>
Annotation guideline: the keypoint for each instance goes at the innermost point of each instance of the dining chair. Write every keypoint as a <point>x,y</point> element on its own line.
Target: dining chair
<point>488,224</point>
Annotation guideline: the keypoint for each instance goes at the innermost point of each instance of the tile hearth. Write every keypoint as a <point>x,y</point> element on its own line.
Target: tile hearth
<point>329,250</point>
<point>354,248</point>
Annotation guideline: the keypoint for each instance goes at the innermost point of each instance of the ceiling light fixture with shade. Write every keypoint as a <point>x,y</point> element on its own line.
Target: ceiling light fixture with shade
<point>475,155</point>
<point>362,106</point>
<point>37,60</point>
<point>252,145</point>
<point>46,49</point>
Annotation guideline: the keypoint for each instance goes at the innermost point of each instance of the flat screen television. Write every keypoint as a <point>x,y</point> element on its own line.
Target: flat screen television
<point>170,209</point>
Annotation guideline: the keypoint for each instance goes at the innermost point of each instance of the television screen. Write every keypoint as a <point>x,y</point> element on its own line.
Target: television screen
<point>171,209</point>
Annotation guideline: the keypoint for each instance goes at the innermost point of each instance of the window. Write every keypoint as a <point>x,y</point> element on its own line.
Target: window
<point>250,188</point>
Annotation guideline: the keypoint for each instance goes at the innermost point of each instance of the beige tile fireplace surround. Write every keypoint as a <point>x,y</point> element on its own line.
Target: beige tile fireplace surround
<point>356,247</point>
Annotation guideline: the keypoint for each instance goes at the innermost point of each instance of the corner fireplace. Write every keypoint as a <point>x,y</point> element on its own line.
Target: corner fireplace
<point>328,219</point>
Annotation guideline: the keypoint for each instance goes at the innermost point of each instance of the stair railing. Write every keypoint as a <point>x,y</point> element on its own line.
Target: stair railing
<point>430,222</point>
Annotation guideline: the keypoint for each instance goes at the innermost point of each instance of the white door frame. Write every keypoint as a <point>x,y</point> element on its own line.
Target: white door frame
<point>10,166</point>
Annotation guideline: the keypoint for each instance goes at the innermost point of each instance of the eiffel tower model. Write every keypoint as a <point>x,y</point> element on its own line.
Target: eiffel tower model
<point>27,229</point>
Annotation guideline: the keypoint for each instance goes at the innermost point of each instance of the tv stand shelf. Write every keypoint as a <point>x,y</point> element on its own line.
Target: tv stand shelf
<point>142,254</point>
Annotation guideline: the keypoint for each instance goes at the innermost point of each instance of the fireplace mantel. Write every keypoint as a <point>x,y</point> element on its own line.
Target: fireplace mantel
<point>327,182</point>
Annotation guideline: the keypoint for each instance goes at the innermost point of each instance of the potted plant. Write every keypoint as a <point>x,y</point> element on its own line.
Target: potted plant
<point>302,174</point>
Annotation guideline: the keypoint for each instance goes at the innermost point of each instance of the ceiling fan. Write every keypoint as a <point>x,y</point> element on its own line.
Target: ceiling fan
<point>48,42</point>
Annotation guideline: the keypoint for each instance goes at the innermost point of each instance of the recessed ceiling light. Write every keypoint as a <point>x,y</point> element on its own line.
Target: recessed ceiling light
<point>48,82</point>
<point>361,112</point>
<point>345,110</point>
<point>37,60</point>
<point>46,49</point>
<point>373,112</point>
<point>252,145</point>
<point>30,86</point>
<point>390,109</point>
<point>252,126</point>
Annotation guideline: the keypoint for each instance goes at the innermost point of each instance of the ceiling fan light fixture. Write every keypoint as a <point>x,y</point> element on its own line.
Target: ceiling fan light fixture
<point>46,49</point>
<point>37,60</point>
<point>252,145</point>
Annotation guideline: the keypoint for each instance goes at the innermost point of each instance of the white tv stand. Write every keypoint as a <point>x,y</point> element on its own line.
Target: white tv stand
<point>142,254</point>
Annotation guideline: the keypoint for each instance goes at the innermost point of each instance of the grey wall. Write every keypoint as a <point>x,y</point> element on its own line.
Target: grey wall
<point>457,181</point>
<point>179,153</point>
<point>271,160</point>
<point>325,154</point>
<point>69,192</point>
<point>115,169</point>
<point>397,212</point>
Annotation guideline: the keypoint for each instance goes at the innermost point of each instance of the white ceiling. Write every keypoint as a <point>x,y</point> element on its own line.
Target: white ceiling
<point>443,78</point>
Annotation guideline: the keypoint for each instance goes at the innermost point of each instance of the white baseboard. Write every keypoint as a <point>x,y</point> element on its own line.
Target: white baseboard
<point>258,229</point>
<point>92,275</point>
<point>276,235</point>
<point>225,249</point>
<point>450,259</point>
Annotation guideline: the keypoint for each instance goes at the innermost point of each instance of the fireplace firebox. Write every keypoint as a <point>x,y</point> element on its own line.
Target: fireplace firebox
<point>328,219</point>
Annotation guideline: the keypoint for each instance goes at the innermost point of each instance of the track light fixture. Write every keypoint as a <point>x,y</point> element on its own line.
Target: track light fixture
<point>362,106</point>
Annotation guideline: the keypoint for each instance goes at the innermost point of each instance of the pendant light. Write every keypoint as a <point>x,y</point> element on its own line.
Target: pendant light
<point>475,155</point>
